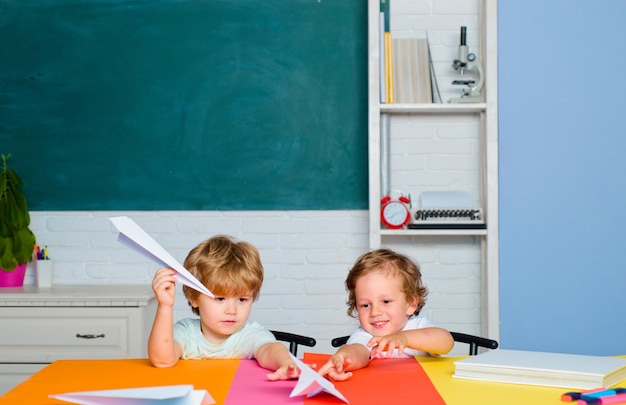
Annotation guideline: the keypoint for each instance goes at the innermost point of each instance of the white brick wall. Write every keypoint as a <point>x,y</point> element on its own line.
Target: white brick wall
<point>306,255</point>
<point>437,152</point>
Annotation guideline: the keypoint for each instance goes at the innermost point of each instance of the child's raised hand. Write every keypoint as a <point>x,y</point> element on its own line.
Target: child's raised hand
<point>164,286</point>
<point>286,372</point>
<point>335,367</point>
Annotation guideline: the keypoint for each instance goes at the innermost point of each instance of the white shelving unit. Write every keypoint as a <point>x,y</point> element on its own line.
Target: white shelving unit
<point>480,119</point>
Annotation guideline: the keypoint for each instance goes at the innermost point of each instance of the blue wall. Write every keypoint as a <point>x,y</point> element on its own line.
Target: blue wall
<point>562,175</point>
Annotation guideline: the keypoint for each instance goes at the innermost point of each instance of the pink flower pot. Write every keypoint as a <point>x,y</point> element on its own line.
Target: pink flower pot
<point>13,278</point>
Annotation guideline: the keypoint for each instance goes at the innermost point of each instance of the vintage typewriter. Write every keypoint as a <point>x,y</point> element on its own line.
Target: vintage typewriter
<point>447,210</point>
<point>448,218</point>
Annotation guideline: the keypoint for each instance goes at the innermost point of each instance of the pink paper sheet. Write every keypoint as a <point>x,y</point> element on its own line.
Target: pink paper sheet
<point>251,386</point>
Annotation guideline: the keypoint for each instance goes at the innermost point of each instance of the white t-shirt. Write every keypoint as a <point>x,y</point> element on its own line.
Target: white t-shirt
<point>360,336</point>
<point>240,345</point>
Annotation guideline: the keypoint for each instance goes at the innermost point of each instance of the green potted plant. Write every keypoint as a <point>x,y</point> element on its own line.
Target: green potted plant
<point>17,241</point>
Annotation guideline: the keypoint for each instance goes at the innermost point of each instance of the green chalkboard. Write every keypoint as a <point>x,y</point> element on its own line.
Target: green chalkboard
<point>186,104</point>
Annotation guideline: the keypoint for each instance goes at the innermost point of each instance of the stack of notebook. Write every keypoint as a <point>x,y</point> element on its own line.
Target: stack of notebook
<point>539,368</point>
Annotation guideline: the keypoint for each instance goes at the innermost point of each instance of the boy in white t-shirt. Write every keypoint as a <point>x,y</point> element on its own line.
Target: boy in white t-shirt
<point>386,292</point>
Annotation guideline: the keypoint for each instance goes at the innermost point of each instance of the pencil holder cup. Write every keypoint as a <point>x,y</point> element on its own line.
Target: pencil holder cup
<point>43,273</point>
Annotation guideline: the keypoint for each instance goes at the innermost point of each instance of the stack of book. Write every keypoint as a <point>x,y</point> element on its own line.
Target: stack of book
<point>406,69</point>
<point>540,368</point>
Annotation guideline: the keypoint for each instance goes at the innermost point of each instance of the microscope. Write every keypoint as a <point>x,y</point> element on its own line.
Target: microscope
<point>466,62</point>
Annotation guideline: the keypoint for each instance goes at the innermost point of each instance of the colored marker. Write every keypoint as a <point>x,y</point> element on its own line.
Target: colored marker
<point>603,393</point>
<point>575,395</point>
<point>608,400</point>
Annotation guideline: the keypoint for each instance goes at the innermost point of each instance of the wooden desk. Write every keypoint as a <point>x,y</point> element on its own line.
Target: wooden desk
<point>383,379</point>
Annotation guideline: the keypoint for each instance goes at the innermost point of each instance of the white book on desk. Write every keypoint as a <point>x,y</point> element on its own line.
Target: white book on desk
<point>540,368</point>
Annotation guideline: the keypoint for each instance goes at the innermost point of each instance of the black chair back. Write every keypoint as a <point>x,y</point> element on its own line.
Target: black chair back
<point>474,342</point>
<point>294,340</point>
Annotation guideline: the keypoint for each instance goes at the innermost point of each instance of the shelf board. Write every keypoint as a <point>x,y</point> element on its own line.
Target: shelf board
<point>433,232</point>
<point>446,108</point>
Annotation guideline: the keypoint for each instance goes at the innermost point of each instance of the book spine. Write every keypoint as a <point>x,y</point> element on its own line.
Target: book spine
<point>389,68</point>
<point>382,68</point>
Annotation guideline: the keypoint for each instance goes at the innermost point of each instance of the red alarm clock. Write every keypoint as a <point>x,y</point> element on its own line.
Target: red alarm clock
<point>395,213</point>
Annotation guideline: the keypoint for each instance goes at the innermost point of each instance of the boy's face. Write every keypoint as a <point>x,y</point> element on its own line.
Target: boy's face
<point>222,316</point>
<point>381,304</point>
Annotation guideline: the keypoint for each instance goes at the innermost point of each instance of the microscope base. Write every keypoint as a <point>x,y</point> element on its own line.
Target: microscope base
<point>478,98</point>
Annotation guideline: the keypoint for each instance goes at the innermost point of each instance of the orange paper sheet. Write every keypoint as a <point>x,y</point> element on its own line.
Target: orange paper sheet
<point>89,375</point>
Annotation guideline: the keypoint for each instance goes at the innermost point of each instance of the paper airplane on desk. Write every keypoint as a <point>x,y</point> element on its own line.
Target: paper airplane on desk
<point>311,383</point>
<point>169,394</point>
<point>136,238</point>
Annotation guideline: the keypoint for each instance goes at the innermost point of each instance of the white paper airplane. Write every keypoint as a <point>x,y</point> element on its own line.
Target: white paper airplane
<point>311,383</point>
<point>169,394</point>
<point>136,238</point>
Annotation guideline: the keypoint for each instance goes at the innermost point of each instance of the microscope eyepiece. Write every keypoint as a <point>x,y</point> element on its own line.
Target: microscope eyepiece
<point>463,35</point>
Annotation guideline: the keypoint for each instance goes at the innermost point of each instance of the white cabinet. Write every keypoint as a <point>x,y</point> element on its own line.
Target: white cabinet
<point>41,325</point>
<point>416,148</point>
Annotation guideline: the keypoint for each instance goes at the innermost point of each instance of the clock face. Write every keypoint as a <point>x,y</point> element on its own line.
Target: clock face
<point>395,214</point>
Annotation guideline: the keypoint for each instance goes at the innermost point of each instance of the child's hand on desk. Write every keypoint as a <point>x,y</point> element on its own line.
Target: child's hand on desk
<point>383,346</point>
<point>336,367</point>
<point>286,372</point>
